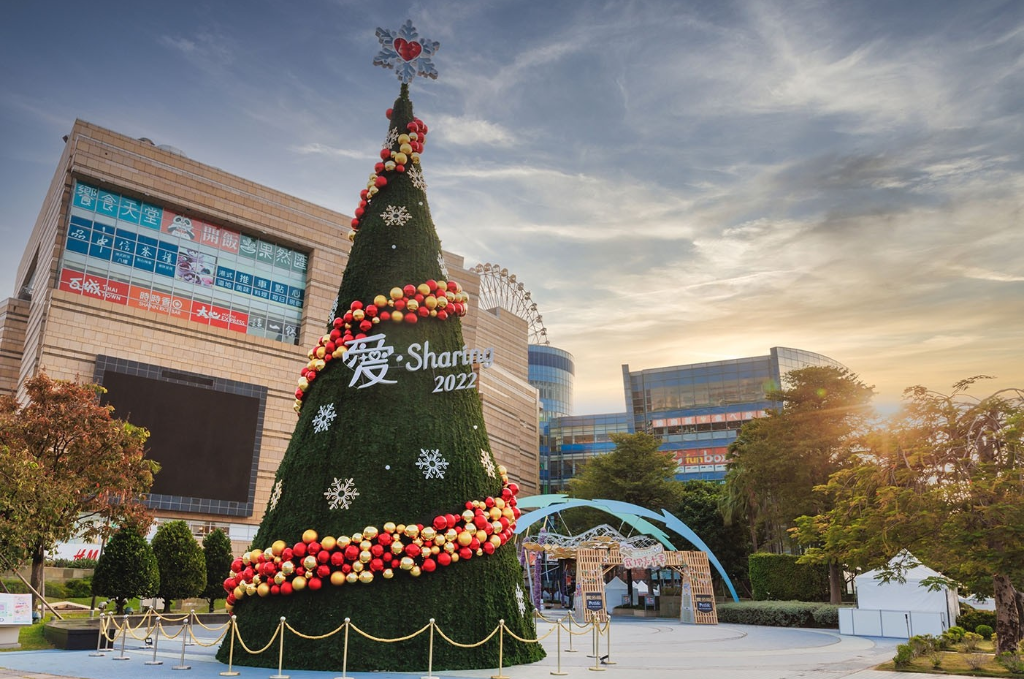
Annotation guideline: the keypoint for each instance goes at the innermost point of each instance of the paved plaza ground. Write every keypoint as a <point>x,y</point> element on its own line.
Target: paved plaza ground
<point>652,649</point>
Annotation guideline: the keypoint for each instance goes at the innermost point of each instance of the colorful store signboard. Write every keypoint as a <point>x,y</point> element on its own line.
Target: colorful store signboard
<point>142,255</point>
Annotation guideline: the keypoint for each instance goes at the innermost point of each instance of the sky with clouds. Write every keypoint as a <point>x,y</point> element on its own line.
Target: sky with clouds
<point>674,182</point>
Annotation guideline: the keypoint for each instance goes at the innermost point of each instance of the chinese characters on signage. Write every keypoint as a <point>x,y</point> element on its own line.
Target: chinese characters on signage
<point>143,255</point>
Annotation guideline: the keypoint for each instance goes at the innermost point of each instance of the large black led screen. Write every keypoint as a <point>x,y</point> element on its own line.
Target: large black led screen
<point>203,439</point>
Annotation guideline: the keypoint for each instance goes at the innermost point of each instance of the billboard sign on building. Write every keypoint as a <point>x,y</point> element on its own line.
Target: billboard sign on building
<point>138,254</point>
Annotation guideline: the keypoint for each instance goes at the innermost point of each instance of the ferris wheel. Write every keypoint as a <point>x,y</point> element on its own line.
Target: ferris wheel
<point>499,288</point>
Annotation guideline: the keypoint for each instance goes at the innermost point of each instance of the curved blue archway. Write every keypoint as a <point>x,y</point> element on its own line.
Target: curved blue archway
<point>627,512</point>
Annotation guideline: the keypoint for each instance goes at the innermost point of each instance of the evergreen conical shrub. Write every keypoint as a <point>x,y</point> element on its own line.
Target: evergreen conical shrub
<point>383,443</point>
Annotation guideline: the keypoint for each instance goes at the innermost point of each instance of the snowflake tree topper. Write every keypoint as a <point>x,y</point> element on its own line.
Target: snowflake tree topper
<point>407,53</point>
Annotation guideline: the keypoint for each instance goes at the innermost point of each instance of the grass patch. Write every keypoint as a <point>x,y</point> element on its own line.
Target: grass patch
<point>953,663</point>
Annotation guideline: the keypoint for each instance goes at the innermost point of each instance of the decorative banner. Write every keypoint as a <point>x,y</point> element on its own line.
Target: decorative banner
<point>642,557</point>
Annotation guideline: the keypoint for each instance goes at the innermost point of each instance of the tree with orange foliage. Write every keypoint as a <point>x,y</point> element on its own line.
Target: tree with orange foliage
<point>68,468</point>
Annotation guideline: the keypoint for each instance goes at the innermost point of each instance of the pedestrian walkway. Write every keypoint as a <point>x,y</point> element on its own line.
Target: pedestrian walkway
<point>659,649</point>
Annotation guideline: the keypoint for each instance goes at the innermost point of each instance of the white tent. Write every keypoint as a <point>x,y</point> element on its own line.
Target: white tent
<point>900,609</point>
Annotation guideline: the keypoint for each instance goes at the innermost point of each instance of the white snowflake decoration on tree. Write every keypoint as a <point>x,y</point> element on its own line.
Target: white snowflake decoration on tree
<point>521,599</point>
<point>324,417</point>
<point>432,464</point>
<point>440,262</point>
<point>395,216</point>
<point>416,175</point>
<point>340,495</point>
<point>407,53</point>
<point>487,462</point>
<point>391,139</point>
<point>275,495</point>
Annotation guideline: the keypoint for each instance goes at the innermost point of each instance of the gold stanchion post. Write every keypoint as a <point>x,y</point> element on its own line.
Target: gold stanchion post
<point>430,654</point>
<point>185,630</point>
<point>571,621</point>
<point>501,650</point>
<point>231,652</point>
<point>155,634</point>
<point>608,656</point>
<point>344,653</point>
<point>597,656</point>
<point>558,645</point>
<point>280,656</point>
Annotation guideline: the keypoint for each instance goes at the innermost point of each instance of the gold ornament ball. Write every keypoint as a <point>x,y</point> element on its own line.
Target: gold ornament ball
<point>352,578</point>
<point>370,532</point>
<point>366,577</point>
<point>309,536</point>
<point>337,578</point>
<point>397,548</point>
<point>435,550</point>
<point>320,352</point>
<point>406,563</point>
<point>254,555</point>
<point>404,138</point>
<point>502,470</point>
<point>412,305</point>
<point>344,541</point>
<point>365,556</point>
<point>397,316</point>
<point>428,533</point>
<point>455,557</point>
<point>449,547</point>
<point>279,578</point>
<point>278,547</point>
<point>388,574</point>
<point>494,513</point>
<point>328,543</point>
<point>415,571</point>
<point>465,537</point>
<point>450,535</point>
<point>404,149</point>
<point>288,568</point>
<point>256,579</point>
<point>351,235</point>
<point>309,563</point>
<point>298,584</point>
<point>412,531</point>
<point>250,589</point>
<point>389,166</point>
<point>263,590</point>
<point>365,545</point>
<point>499,503</point>
<point>239,592</point>
<point>246,558</point>
<point>357,538</point>
<point>358,314</point>
<point>358,567</point>
<point>400,528</point>
<point>495,540</point>
<point>389,527</point>
<point>397,293</point>
<point>380,301</point>
<point>467,516</point>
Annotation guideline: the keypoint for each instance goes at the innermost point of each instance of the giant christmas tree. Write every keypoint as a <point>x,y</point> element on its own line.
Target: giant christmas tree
<point>388,507</point>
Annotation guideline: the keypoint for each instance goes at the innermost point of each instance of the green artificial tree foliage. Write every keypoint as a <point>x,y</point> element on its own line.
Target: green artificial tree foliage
<point>217,554</point>
<point>126,569</point>
<point>379,447</point>
<point>181,562</point>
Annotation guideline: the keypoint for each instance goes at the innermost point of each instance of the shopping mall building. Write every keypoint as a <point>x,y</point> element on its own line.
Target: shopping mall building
<point>191,295</point>
<point>695,409</point>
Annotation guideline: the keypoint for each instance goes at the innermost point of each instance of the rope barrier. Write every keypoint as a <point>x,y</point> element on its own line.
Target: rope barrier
<point>529,641</point>
<point>392,641</point>
<point>458,645</point>
<point>223,634</point>
<point>172,636</point>
<point>315,637</point>
<point>241,642</point>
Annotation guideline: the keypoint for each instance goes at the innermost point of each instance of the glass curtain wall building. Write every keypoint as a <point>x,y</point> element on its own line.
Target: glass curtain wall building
<point>695,409</point>
<point>552,371</point>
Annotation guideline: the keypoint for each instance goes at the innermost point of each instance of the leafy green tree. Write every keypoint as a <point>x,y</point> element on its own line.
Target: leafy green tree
<point>699,508</point>
<point>217,554</point>
<point>126,569</point>
<point>67,468</point>
<point>945,483</point>
<point>634,471</point>
<point>181,562</point>
<point>777,461</point>
<point>390,433</point>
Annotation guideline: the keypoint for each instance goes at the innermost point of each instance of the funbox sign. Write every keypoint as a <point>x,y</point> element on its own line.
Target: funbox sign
<point>370,359</point>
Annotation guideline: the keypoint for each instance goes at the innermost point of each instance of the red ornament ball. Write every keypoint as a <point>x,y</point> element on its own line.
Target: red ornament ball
<point>388,113</point>
<point>380,182</point>
<point>286,588</point>
<point>315,584</point>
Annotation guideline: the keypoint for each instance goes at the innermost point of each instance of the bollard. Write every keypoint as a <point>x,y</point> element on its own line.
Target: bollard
<point>558,645</point>
<point>185,630</point>
<point>501,650</point>
<point>597,656</point>
<point>430,654</point>
<point>124,634</point>
<point>280,656</point>
<point>231,652</point>
<point>156,642</point>
<point>191,624</point>
<point>101,638</point>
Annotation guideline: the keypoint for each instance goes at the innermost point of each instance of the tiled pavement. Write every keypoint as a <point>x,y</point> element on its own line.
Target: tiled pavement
<point>652,649</point>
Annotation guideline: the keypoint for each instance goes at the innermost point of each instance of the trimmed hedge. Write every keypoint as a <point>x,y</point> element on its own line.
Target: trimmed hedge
<point>778,577</point>
<point>970,618</point>
<point>780,614</point>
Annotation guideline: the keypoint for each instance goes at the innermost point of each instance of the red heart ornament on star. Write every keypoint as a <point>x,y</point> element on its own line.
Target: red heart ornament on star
<point>407,50</point>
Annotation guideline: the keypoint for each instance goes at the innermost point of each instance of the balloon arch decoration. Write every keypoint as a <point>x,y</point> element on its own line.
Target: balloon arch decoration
<point>604,547</point>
